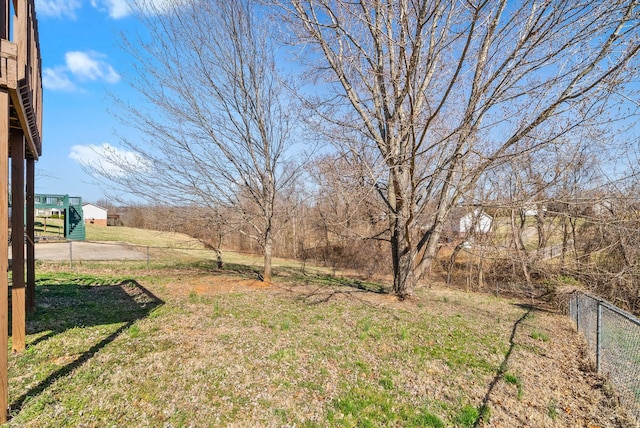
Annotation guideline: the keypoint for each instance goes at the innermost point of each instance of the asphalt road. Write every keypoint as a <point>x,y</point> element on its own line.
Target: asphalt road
<point>79,250</point>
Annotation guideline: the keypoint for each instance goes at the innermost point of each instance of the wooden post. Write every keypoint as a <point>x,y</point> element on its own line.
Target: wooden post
<point>4,253</point>
<point>18,328</point>
<point>31,251</point>
<point>4,231</point>
<point>20,37</point>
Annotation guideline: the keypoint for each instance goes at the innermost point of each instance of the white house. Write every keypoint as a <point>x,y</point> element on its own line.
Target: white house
<point>463,222</point>
<point>531,210</point>
<point>93,214</point>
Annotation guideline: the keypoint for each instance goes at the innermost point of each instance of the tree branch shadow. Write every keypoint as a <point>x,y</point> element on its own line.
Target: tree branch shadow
<point>482,409</point>
<point>68,305</point>
<point>16,406</point>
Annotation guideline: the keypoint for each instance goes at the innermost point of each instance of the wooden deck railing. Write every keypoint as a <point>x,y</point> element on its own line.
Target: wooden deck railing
<point>21,73</point>
<point>8,64</point>
<point>28,95</point>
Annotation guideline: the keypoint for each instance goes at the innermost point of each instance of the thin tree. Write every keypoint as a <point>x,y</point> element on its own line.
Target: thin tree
<point>216,122</point>
<point>445,90</point>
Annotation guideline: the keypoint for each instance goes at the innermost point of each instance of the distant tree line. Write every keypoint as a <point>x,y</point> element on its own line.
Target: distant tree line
<point>538,243</point>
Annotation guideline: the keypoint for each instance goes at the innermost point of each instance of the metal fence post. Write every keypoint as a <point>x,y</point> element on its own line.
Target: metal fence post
<point>577,311</point>
<point>71,254</point>
<point>598,336</point>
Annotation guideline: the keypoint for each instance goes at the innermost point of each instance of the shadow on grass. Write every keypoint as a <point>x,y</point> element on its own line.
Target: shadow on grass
<point>84,302</point>
<point>328,287</point>
<point>245,271</point>
<point>323,287</point>
<point>483,408</point>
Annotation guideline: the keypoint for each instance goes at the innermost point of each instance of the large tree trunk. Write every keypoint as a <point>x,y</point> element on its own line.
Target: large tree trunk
<point>268,250</point>
<point>402,247</point>
<point>404,279</point>
<point>268,199</point>
<point>267,234</point>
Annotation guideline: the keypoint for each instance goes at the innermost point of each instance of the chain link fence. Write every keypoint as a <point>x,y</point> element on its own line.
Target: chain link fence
<point>613,337</point>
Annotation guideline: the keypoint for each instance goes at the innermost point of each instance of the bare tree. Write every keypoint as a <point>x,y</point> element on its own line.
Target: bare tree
<point>606,235</point>
<point>446,90</point>
<point>350,220</point>
<point>217,118</point>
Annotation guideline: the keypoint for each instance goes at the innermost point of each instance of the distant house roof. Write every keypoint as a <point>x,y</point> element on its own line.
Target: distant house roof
<point>93,205</point>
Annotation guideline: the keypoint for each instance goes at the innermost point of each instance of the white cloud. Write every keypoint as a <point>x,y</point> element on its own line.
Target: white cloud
<point>106,159</point>
<point>115,8</point>
<point>58,8</point>
<point>122,8</point>
<point>157,6</point>
<point>118,8</point>
<point>86,66</point>
<point>90,66</point>
<point>56,79</point>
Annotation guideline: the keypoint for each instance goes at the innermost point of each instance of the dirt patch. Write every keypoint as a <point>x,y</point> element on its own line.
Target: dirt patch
<point>207,286</point>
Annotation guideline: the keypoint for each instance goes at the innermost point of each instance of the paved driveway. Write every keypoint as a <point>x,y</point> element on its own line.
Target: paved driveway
<point>79,250</point>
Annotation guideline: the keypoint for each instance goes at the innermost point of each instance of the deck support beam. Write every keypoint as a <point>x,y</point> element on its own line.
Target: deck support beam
<point>4,253</point>
<point>4,231</point>
<point>30,223</point>
<point>18,306</point>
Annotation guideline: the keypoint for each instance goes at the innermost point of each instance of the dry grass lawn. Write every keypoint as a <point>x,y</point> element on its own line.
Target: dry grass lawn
<point>111,347</point>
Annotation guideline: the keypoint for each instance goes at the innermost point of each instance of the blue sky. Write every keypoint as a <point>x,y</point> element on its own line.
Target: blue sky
<point>82,64</point>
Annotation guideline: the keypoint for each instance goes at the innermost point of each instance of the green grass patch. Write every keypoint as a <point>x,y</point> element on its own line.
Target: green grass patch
<point>363,405</point>
<point>467,416</point>
<point>453,344</point>
<point>539,335</point>
<point>512,379</point>
<point>552,409</point>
